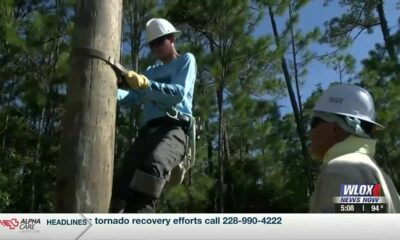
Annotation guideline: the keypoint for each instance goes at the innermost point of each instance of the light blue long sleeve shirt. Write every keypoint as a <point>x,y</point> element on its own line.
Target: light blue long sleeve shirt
<point>171,85</point>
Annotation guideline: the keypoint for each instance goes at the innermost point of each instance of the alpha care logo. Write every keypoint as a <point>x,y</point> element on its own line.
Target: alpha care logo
<point>12,223</point>
<point>28,224</point>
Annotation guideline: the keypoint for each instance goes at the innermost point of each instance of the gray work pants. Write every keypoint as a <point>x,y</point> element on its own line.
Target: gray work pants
<point>147,164</point>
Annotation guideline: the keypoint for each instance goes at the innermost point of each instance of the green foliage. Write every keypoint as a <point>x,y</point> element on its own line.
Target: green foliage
<point>343,65</point>
<point>35,50</point>
<point>381,77</point>
<point>360,16</point>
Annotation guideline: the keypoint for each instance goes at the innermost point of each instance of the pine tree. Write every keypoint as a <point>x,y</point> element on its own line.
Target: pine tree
<point>361,15</point>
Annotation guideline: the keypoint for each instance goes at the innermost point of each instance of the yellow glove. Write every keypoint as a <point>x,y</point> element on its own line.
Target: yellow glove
<point>137,81</point>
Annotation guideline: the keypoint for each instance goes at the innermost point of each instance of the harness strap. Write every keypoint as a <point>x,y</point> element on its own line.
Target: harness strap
<point>118,68</point>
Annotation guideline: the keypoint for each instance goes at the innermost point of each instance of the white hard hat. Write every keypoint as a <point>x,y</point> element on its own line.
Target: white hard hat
<point>158,27</point>
<point>348,100</point>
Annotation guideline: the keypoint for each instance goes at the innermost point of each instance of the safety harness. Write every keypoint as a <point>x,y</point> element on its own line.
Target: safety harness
<point>177,174</point>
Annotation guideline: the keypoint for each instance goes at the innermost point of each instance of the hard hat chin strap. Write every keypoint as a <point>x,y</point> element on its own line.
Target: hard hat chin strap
<point>355,124</point>
<point>351,125</point>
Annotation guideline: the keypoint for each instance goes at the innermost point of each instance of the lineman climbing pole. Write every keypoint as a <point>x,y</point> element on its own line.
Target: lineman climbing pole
<point>85,167</point>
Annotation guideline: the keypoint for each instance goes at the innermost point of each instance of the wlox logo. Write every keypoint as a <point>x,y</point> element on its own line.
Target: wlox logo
<point>360,193</point>
<point>360,190</point>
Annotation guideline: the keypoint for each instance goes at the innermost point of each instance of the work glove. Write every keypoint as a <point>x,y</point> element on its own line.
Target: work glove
<point>137,81</point>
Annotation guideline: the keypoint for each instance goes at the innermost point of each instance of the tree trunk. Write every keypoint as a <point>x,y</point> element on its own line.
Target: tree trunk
<point>7,101</point>
<point>299,121</point>
<point>135,30</point>
<point>189,198</point>
<point>5,132</point>
<point>385,31</point>
<point>136,34</point>
<point>294,55</point>
<point>209,147</point>
<point>221,156</point>
<point>87,146</point>
<point>36,158</point>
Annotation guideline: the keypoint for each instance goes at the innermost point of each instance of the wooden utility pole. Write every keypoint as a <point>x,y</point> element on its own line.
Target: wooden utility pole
<point>85,166</point>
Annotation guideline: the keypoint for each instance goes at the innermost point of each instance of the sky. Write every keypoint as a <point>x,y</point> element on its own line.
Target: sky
<point>314,15</point>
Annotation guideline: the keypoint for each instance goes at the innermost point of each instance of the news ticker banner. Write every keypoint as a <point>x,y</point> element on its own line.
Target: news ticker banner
<point>199,226</point>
